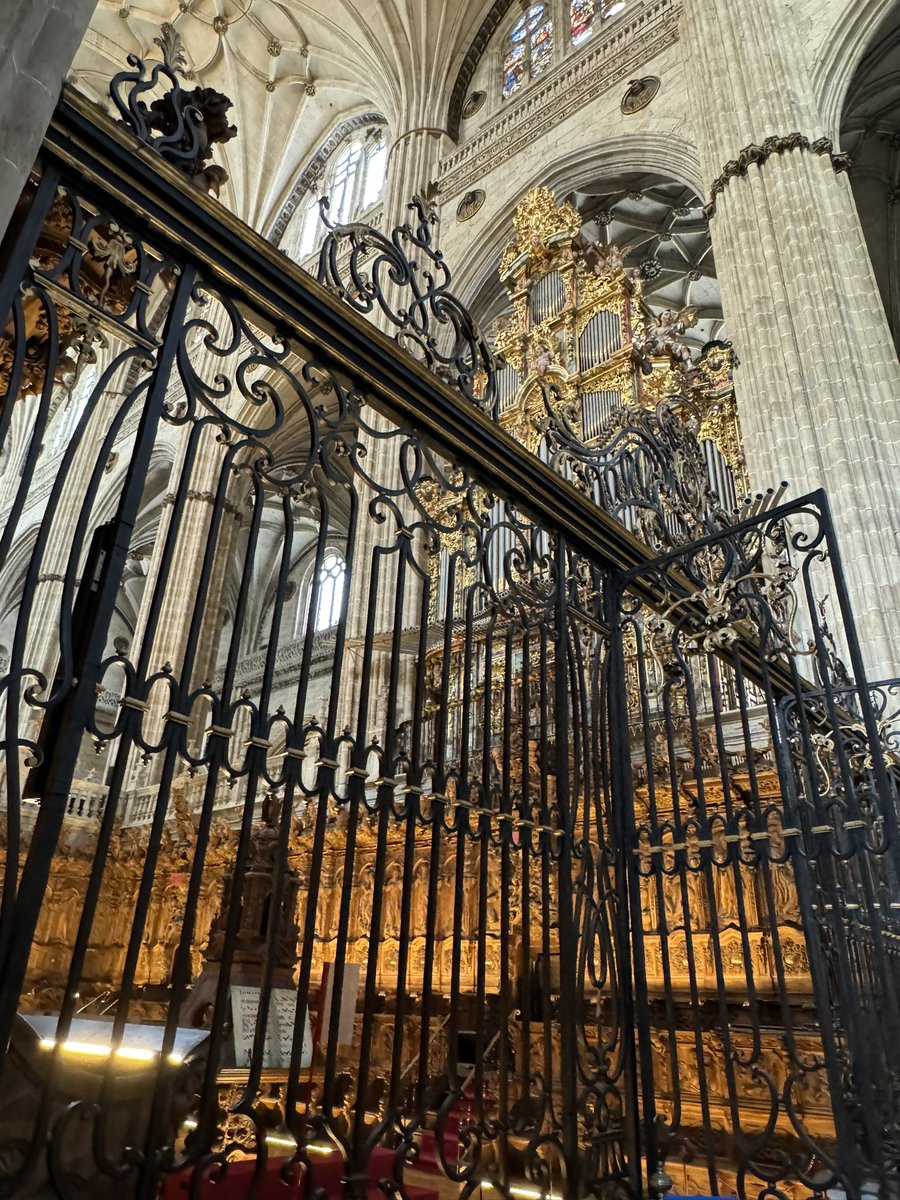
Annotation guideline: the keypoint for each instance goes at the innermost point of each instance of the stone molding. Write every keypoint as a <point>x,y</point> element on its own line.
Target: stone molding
<point>756,155</point>
<point>486,30</point>
<point>573,85</point>
<point>288,659</point>
<point>316,168</point>
<point>206,498</point>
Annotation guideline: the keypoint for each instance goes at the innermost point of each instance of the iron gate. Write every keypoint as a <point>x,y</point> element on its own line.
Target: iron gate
<point>762,800</point>
<point>379,809</point>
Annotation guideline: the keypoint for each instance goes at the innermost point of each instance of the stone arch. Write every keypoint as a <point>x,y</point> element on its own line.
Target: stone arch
<point>869,134</point>
<point>668,154</point>
<point>492,21</point>
<point>316,166</point>
<point>843,48</point>
<point>12,581</point>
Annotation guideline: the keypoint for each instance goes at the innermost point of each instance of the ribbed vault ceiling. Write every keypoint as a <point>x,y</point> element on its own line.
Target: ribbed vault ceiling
<point>293,68</point>
<point>659,226</point>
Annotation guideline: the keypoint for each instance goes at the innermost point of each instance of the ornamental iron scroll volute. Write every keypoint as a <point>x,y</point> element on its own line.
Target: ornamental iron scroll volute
<point>406,278</point>
<point>182,126</point>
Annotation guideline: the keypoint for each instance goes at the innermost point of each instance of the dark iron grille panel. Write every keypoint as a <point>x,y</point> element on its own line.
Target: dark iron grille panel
<point>353,818</point>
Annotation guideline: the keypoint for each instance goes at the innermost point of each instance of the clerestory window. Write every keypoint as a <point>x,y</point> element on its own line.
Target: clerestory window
<point>586,13</point>
<point>343,179</point>
<point>331,592</point>
<point>309,224</point>
<point>529,48</point>
<point>375,174</point>
<point>353,182</point>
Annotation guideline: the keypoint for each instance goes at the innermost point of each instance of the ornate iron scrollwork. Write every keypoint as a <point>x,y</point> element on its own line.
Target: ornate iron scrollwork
<point>404,277</point>
<point>182,126</point>
<point>646,469</point>
<point>605,847</point>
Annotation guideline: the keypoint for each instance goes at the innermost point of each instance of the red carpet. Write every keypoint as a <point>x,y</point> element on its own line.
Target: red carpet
<point>328,1173</point>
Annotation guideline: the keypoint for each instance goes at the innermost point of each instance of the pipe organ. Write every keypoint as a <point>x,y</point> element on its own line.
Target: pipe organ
<point>580,323</point>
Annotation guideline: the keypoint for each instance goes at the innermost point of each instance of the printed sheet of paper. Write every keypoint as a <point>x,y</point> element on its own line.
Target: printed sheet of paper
<point>279,1027</point>
<point>349,996</point>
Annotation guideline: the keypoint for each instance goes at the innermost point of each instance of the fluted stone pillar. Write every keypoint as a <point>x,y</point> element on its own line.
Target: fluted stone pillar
<point>38,40</point>
<point>819,382</point>
<point>412,164</point>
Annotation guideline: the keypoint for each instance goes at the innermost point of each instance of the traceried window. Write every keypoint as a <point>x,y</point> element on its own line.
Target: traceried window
<point>342,180</point>
<point>309,224</point>
<point>376,170</point>
<point>331,592</point>
<point>529,48</point>
<point>353,182</point>
<point>586,13</point>
<point>356,180</point>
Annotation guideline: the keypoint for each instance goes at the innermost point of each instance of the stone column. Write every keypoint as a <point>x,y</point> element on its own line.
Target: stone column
<point>38,40</point>
<point>819,380</point>
<point>175,596</point>
<point>412,165</point>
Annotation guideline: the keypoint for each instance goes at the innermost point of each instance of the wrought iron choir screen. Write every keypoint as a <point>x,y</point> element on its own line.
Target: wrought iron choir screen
<point>551,869</point>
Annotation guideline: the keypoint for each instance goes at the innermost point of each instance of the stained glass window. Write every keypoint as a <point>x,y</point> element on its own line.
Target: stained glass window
<point>584,13</point>
<point>529,47</point>
<point>582,20</point>
<point>541,48</point>
<point>512,68</point>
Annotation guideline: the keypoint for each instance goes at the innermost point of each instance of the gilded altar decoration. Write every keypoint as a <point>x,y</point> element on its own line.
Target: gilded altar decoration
<point>538,222</point>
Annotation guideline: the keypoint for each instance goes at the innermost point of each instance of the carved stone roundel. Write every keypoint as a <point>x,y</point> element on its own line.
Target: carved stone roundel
<point>473,102</point>
<point>640,93</point>
<point>470,204</point>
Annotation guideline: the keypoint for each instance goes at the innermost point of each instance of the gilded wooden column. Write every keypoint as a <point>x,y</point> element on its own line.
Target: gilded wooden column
<point>819,379</point>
